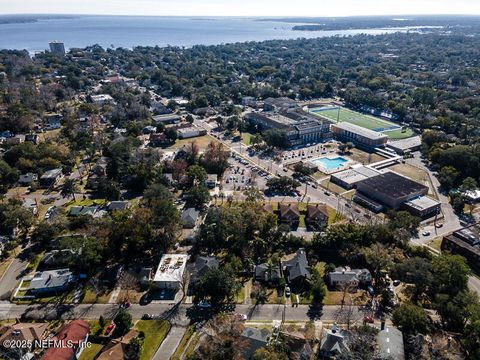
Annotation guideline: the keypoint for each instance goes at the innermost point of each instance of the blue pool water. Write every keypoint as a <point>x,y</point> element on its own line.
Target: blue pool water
<point>330,163</point>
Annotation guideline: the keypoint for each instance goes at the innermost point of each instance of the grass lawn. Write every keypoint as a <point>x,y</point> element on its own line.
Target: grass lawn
<point>92,297</point>
<point>273,297</point>
<point>33,265</point>
<point>201,141</point>
<point>183,343</point>
<point>301,222</point>
<point>95,328</point>
<point>155,332</point>
<point>89,353</point>
<point>327,184</point>
<point>4,266</point>
<point>335,298</point>
<point>246,138</point>
<point>240,296</point>
<point>365,121</point>
<point>435,243</point>
<point>87,202</point>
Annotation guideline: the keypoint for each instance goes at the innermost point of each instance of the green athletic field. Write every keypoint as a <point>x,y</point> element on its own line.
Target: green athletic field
<point>394,131</point>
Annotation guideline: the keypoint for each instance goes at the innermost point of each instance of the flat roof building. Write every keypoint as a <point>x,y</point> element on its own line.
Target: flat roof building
<point>406,145</point>
<point>391,189</point>
<point>279,103</point>
<point>349,178</point>
<point>361,137</point>
<point>465,242</point>
<point>423,206</point>
<point>102,99</point>
<point>170,271</point>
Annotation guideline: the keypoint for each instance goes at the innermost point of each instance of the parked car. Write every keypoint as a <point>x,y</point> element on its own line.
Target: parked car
<point>162,294</point>
<point>370,290</point>
<point>287,292</point>
<point>396,282</point>
<point>110,329</point>
<point>147,316</point>
<point>426,233</point>
<point>368,319</point>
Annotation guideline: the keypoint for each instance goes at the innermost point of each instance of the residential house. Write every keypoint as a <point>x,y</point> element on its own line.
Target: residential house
<point>57,258</point>
<point>159,140</point>
<point>117,205</point>
<point>16,140</point>
<point>23,332</point>
<point>268,273</point>
<point>34,138</point>
<point>83,210</point>
<point>211,181</point>
<point>76,333</point>
<point>50,178</point>
<point>31,204</point>
<point>201,266</point>
<point>51,281</point>
<point>149,129</point>
<point>118,349</point>
<point>297,346</point>
<point>290,215</point>
<point>255,339</point>
<point>317,216</point>
<point>190,218</point>
<point>295,267</point>
<point>52,121</point>
<point>170,272</point>
<point>98,172</point>
<point>27,179</point>
<point>352,278</point>
<point>333,343</point>
<point>268,208</point>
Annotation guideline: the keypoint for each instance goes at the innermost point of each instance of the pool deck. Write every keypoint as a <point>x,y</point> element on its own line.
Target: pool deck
<point>324,170</point>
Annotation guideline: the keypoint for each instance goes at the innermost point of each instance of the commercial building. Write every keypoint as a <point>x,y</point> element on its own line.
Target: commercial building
<point>423,207</point>
<point>190,132</point>
<point>280,103</point>
<point>389,190</point>
<point>465,242</point>
<point>349,178</point>
<point>170,271</point>
<point>57,48</point>
<point>361,137</point>
<point>167,119</point>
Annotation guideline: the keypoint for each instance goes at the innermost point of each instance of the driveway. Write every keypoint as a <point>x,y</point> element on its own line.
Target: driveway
<point>170,343</point>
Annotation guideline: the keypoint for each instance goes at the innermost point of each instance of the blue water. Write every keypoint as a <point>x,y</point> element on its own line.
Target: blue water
<point>330,163</point>
<point>130,31</point>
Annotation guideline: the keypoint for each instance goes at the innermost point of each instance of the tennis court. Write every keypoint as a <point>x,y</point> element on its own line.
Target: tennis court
<point>336,113</point>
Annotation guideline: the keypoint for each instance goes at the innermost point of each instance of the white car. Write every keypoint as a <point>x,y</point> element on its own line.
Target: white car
<point>426,233</point>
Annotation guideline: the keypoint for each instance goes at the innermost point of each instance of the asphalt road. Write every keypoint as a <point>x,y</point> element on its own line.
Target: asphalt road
<point>177,315</point>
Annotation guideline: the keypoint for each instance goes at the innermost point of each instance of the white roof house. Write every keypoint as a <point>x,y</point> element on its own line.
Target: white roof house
<point>170,271</point>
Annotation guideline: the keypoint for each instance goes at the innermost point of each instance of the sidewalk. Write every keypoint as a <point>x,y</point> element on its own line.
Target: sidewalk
<point>170,344</point>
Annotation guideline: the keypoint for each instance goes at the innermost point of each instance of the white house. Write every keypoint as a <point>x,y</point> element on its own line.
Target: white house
<point>351,277</point>
<point>170,272</point>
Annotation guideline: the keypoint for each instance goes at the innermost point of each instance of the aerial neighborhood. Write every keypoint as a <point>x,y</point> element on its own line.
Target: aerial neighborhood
<point>289,199</point>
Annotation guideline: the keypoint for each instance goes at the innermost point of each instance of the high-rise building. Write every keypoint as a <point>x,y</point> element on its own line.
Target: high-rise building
<point>57,47</point>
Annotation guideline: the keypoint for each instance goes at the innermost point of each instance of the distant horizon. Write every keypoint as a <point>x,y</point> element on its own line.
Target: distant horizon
<point>246,16</point>
<point>245,8</point>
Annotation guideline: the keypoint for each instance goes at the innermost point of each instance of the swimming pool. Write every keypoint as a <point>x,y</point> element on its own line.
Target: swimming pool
<point>330,164</point>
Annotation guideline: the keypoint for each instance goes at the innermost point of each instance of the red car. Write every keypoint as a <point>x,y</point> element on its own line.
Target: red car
<point>368,319</point>
<point>110,329</point>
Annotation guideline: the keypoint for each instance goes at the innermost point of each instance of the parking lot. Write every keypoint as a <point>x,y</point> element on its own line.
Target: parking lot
<point>243,175</point>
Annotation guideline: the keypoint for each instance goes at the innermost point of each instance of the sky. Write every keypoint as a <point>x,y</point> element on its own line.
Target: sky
<point>241,7</point>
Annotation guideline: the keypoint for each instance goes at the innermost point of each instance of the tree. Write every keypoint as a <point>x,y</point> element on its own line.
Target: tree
<point>69,188</point>
<point>216,285</point>
<point>398,220</point>
<point>378,258</point>
<point>410,318</point>
<point>468,184</point>
<point>226,342</point>
<point>8,176</point>
<point>13,215</point>
<point>123,323</point>
<point>196,175</point>
<point>271,352</point>
<point>283,185</point>
<point>450,274</point>
<point>318,288</point>
<point>458,202</point>
<point>417,271</point>
<point>302,169</point>
<point>342,148</point>
<point>447,176</point>
<point>197,196</point>
<point>171,135</point>
<point>275,138</point>
<point>456,311</point>
<point>108,189</point>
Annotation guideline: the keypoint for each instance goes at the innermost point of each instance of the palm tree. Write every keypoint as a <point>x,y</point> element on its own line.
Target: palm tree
<point>69,188</point>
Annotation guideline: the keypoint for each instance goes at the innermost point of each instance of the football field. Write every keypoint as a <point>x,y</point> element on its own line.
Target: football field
<point>335,113</point>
